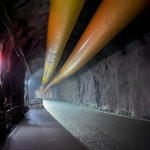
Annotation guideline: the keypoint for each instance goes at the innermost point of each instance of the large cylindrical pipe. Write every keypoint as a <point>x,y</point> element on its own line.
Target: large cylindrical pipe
<point>110,18</point>
<point>62,18</point>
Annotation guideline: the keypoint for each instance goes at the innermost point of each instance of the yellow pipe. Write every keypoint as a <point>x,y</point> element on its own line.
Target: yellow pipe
<point>62,18</point>
<point>110,18</point>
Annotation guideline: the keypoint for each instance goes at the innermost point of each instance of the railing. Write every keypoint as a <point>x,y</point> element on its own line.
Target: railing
<point>9,115</point>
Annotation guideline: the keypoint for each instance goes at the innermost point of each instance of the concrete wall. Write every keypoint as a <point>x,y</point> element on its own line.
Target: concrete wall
<point>121,84</point>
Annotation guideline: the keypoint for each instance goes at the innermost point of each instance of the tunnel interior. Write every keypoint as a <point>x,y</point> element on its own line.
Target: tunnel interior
<point>115,80</point>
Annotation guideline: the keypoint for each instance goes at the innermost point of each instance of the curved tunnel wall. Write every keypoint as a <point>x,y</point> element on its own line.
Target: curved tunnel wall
<point>119,85</point>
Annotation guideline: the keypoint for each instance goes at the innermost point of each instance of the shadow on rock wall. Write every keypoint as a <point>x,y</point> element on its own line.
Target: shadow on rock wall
<point>120,84</point>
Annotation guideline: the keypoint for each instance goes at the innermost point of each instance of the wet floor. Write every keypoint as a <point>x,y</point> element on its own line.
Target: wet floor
<point>38,130</point>
<point>101,131</point>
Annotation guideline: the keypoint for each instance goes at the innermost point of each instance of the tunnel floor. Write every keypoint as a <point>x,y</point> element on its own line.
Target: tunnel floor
<point>38,130</point>
<point>47,129</point>
<point>101,131</point>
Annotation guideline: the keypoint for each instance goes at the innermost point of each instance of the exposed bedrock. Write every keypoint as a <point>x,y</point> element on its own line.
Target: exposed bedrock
<point>120,84</point>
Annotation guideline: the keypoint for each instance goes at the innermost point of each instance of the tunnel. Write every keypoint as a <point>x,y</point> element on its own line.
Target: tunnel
<point>74,75</point>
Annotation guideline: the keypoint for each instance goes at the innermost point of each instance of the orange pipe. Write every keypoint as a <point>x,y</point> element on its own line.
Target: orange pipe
<point>110,18</point>
<point>62,18</point>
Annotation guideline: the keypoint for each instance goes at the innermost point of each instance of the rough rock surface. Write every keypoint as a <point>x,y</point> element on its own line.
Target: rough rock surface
<point>29,20</point>
<point>120,84</point>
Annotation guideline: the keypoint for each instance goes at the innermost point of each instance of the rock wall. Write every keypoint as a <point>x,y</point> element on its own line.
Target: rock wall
<point>12,73</point>
<point>120,84</point>
<point>55,92</point>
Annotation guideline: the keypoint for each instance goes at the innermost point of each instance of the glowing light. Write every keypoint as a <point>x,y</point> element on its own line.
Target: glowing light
<point>1,47</point>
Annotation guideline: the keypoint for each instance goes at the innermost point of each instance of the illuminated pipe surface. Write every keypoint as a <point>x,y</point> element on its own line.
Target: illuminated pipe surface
<point>110,18</point>
<point>62,18</point>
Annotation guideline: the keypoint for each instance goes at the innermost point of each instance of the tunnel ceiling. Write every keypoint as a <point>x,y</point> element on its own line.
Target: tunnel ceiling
<point>30,18</point>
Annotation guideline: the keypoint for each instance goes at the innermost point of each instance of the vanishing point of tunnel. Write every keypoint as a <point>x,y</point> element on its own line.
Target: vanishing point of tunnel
<point>74,75</point>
